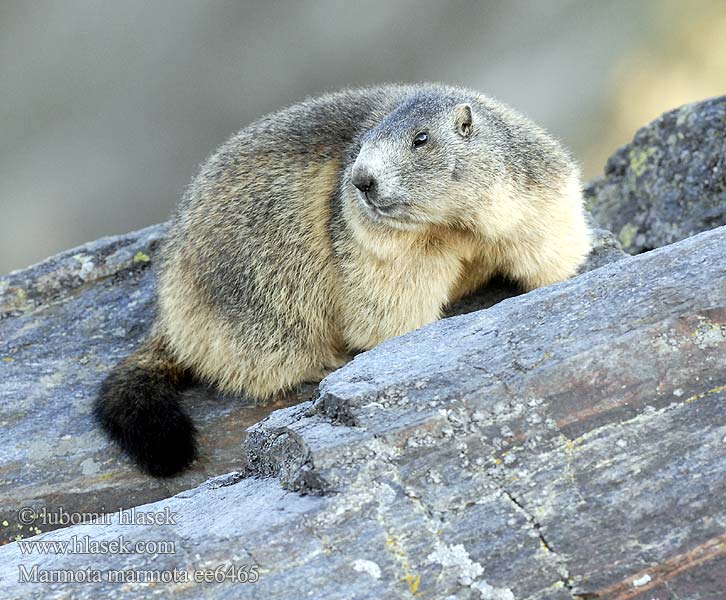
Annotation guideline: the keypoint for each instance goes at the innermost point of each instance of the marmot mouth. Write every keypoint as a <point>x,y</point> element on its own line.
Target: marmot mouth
<point>393,215</point>
<point>386,210</point>
<point>390,212</point>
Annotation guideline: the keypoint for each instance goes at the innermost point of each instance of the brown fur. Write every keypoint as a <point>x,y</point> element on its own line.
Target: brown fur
<point>277,268</point>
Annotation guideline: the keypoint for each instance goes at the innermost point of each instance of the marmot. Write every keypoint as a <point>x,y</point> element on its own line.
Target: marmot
<point>325,228</point>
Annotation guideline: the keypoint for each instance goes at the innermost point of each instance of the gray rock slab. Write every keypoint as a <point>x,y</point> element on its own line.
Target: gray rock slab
<point>64,323</point>
<point>566,443</point>
<point>669,182</point>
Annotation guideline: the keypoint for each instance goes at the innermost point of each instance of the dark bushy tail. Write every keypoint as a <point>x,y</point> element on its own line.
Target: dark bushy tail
<point>139,407</point>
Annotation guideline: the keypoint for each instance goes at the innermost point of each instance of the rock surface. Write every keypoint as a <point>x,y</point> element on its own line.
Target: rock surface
<point>669,182</point>
<point>566,443</point>
<point>570,442</point>
<point>64,323</point>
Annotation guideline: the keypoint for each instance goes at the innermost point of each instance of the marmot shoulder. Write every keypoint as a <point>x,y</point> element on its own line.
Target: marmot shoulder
<point>325,228</point>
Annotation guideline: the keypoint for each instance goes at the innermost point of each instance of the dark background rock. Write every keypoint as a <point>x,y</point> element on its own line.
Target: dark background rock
<point>566,443</point>
<point>669,182</point>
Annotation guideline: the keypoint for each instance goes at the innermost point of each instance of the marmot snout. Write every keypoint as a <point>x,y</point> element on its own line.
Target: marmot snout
<point>330,226</point>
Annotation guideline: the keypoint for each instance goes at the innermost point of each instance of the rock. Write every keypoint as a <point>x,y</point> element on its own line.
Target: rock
<point>669,182</point>
<point>605,250</point>
<point>569,442</point>
<point>64,323</point>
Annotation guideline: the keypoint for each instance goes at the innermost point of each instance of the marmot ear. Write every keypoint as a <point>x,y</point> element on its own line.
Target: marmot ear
<point>463,118</point>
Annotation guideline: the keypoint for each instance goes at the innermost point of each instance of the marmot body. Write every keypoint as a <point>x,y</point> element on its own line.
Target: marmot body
<point>328,227</point>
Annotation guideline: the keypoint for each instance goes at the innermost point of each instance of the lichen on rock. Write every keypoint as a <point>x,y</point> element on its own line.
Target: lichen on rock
<point>669,182</point>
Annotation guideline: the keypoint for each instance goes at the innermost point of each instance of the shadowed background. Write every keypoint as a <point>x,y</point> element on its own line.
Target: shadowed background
<point>107,109</point>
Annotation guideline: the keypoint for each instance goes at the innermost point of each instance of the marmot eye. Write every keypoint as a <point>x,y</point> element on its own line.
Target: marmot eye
<point>420,139</point>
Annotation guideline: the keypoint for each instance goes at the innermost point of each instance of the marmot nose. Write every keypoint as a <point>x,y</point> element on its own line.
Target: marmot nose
<point>363,180</point>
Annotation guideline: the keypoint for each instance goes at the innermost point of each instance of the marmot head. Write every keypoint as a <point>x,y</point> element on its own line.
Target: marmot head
<point>424,164</point>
